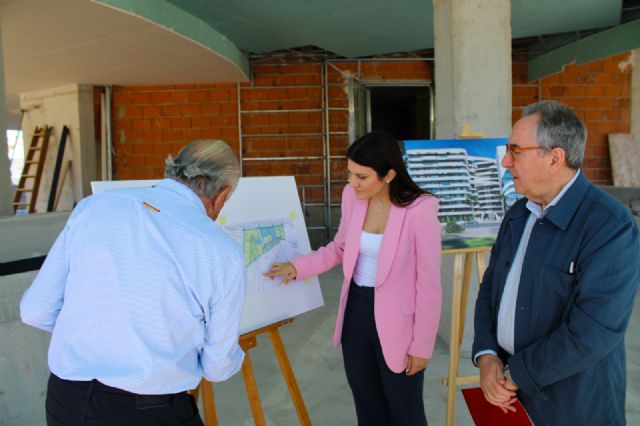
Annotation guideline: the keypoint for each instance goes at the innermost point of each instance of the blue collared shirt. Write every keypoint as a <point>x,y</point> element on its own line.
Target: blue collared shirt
<point>142,291</point>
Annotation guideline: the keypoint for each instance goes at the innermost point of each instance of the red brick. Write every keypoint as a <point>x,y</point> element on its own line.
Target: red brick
<point>135,161</point>
<point>141,124</point>
<point>594,66</point>
<point>198,122</point>
<point>229,108</point>
<point>307,79</point>
<point>123,173</point>
<point>179,97</point>
<point>190,109</point>
<point>144,173</point>
<point>593,91</point>
<point>123,124</point>
<point>198,96</point>
<point>158,123</point>
<point>140,98</point>
<point>522,90</point>
<point>213,133</point>
<point>218,120</point>
<point>171,135</point>
<point>152,135</point>
<point>208,109</point>
<point>181,123</point>
<point>263,80</point>
<point>151,111</point>
<point>192,134</point>
<point>142,149</point>
<point>160,97</point>
<point>154,161</point>
<point>120,98</point>
<point>219,95</point>
<point>171,110</point>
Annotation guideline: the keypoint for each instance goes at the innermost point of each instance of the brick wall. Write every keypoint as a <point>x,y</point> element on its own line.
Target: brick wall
<point>281,118</point>
<point>151,122</point>
<point>282,124</point>
<point>599,92</point>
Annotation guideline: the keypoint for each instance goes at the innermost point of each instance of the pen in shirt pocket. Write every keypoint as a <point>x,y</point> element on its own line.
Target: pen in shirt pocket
<point>572,268</point>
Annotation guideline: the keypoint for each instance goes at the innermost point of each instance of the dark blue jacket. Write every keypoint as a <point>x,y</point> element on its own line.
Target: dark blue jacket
<point>569,359</point>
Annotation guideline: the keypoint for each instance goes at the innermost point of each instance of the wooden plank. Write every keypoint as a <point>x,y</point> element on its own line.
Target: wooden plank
<point>454,348</point>
<point>462,271</point>
<point>625,160</point>
<point>289,377</point>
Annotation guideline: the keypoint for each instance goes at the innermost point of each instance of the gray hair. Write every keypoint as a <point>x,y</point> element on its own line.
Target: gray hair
<point>559,127</point>
<point>206,166</point>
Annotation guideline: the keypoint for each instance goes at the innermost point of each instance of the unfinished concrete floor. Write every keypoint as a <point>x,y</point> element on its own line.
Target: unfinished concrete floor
<point>319,371</point>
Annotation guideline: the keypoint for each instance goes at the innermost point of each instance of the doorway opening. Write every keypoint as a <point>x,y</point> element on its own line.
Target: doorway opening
<point>403,111</point>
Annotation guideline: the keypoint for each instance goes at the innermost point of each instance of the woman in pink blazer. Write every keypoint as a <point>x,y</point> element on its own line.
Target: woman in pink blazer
<point>388,243</point>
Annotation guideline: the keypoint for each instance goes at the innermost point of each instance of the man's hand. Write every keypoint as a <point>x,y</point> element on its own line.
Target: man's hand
<point>415,365</point>
<point>497,390</point>
<point>279,269</point>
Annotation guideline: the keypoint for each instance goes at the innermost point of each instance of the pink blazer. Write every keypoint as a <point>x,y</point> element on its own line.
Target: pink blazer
<point>408,296</point>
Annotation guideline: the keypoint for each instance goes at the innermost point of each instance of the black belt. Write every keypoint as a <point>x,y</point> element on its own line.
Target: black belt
<point>142,401</point>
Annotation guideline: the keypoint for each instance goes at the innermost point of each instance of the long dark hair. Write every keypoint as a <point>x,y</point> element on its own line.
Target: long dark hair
<point>382,152</point>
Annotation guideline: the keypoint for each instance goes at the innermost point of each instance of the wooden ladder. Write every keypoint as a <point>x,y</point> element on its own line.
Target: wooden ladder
<point>32,170</point>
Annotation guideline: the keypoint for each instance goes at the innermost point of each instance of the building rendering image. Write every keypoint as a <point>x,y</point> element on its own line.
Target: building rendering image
<point>465,175</point>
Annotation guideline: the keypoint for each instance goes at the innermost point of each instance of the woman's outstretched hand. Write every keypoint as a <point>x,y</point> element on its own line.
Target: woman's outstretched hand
<point>282,269</point>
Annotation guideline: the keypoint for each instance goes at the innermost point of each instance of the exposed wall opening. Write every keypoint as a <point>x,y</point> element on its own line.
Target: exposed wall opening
<point>404,111</point>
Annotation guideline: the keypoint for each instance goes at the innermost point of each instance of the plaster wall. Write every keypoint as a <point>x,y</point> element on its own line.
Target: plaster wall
<point>71,106</point>
<point>6,208</point>
<point>23,352</point>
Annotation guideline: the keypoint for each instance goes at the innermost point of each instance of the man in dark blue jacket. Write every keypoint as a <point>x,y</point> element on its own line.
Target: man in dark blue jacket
<point>555,301</point>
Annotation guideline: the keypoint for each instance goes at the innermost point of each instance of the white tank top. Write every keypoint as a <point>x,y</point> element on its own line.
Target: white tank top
<point>367,264</point>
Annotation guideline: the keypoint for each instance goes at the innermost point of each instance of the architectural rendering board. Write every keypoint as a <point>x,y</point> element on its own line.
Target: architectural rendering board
<point>474,189</point>
<point>264,216</point>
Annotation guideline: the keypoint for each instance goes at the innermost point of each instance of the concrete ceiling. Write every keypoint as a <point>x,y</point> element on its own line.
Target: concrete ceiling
<point>356,28</point>
<point>50,43</point>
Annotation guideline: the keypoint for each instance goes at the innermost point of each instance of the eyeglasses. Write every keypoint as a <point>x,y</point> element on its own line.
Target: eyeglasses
<point>514,150</point>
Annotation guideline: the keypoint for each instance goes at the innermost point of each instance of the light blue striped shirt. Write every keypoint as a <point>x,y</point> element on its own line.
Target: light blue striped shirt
<point>145,298</point>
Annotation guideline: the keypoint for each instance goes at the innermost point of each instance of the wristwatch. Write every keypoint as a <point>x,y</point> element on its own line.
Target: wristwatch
<point>507,375</point>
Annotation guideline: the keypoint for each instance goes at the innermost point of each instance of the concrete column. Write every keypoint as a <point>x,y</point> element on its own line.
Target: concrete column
<point>635,95</point>
<point>472,68</point>
<point>472,98</point>
<point>6,208</point>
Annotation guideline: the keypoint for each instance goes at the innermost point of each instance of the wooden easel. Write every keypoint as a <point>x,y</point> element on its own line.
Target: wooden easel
<point>248,341</point>
<point>461,281</point>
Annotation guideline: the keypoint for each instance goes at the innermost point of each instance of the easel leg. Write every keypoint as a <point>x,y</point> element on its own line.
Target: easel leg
<point>289,377</point>
<point>209,403</point>
<point>454,346</point>
<point>482,265</point>
<point>466,281</point>
<point>250,384</point>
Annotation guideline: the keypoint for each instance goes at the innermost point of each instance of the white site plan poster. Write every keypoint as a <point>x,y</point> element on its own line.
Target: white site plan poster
<point>264,216</point>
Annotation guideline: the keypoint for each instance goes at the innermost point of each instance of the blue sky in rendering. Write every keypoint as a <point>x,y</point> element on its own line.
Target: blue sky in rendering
<point>475,147</point>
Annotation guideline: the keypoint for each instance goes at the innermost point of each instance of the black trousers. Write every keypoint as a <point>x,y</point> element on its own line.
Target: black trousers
<point>382,397</point>
<point>91,403</point>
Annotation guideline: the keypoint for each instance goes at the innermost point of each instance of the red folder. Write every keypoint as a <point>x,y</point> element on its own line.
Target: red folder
<point>487,414</point>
